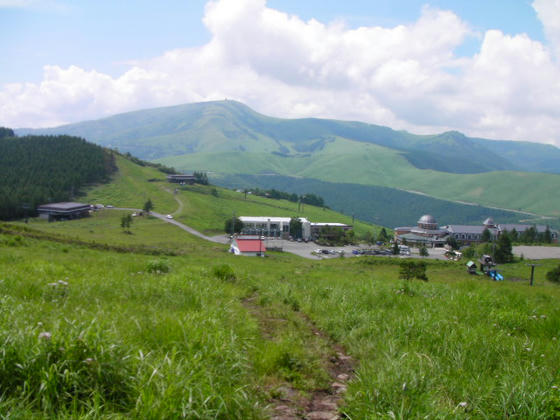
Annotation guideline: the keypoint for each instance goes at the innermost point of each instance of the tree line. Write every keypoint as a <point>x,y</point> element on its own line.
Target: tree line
<point>307,198</point>
<point>35,170</point>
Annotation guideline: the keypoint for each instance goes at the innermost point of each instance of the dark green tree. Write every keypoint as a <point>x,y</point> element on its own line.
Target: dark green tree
<point>514,235</point>
<point>383,237</point>
<point>148,206</point>
<point>486,235</point>
<point>200,178</point>
<point>6,132</point>
<point>126,221</point>
<point>554,275</point>
<point>423,251</point>
<point>236,228</point>
<point>296,228</point>
<point>396,250</point>
<point>503,252</point>
<point>37,170</point>
<point>452,242</point>
<point>547,236</point>
<point>529,236</point>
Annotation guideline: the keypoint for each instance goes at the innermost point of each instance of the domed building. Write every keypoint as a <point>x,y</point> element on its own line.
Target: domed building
<point>426,232</point>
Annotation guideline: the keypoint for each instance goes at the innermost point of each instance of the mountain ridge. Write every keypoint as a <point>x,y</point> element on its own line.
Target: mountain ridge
<point>220,126</point>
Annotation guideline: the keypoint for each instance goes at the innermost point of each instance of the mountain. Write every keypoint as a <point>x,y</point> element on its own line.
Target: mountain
<point>227,126</point>
<point>227,137</point>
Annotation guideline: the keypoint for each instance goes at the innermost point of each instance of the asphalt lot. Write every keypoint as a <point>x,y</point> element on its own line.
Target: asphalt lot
<point>537,252</point>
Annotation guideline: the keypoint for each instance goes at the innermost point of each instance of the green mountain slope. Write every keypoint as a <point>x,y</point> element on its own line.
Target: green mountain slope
<point>344,161</point>
<point>225,126</point>
<point>380,205</point>
<point>229,138</point>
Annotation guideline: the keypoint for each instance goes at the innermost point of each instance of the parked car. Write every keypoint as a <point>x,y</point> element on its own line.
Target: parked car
<point>109,206</point>
<point>169,216</point>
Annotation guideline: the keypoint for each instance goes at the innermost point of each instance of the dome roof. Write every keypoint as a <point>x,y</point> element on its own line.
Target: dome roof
<point>427,219</point>
<point>489,222</point>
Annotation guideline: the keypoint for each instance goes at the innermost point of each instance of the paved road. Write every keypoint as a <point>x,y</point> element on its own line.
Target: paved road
<point>302,249</point>
<point>221,239</point>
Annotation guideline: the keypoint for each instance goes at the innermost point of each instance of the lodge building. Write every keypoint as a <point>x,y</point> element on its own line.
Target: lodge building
<point>427,232</point>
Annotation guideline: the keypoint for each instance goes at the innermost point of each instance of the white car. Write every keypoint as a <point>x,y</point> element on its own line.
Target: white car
<point>109,206</point>
<point>169,216</point>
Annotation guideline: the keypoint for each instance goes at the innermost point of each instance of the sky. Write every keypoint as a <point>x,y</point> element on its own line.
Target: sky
<point>486,68</point>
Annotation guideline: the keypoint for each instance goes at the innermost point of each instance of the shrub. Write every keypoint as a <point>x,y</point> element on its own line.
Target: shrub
<point>224,272</point>
<point>554,275</point>
<point>157,266</point>
<point>411,269</point>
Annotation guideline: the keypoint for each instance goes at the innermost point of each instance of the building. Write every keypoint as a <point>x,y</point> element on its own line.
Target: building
<point>279,227</point>
<point>321,229</point>
<point>428,233</point>
<point>251,247</point>
<point>266,226</point>
<point>63,211</point>
<point>181,179</point>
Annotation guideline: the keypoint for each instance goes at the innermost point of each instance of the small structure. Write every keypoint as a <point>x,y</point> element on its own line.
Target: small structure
<point>471,267</point>
<point>181,179</point>
<point>63,211</point>
<point>248,246</point>
<point>486,263</point>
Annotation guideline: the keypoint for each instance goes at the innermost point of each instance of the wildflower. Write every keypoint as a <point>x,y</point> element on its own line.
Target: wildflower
<point>554,387</point>
<point>543,316</point>
<point>45,335</point>
<point>528,348</point>
<point>404,386</point>
<point>89,361</point>
<point>63,283</point>
<point>53,284</point>
<point>39,324</point>
<point>462,404</point>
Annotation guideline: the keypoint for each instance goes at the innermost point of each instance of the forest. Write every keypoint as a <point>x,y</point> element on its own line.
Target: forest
<point>36,170</point>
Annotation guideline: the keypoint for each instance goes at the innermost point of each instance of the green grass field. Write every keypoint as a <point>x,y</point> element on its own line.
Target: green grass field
<point>126,341</point>
<point>117,333</point>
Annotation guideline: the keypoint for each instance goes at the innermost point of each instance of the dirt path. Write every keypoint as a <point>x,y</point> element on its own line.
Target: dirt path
<point>321,403</point>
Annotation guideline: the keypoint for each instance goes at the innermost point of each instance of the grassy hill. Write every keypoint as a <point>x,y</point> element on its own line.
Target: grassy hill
<point>230,138</point>
<point>346,161</point>
<point>157,323</point>
<point>205,208</point>
<point>128,335</point>
<point>379,205</point>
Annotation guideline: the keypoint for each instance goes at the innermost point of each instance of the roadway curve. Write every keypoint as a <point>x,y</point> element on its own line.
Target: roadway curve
<point>218,239</point>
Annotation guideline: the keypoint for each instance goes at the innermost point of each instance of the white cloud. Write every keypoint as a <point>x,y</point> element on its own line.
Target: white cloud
<point>548,12</point>
<point>407,76</point>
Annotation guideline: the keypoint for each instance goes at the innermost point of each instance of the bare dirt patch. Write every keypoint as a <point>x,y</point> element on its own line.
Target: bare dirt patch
<point>321,403</point>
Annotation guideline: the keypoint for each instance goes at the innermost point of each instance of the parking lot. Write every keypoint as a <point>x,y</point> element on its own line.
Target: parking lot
<point>309,249</point>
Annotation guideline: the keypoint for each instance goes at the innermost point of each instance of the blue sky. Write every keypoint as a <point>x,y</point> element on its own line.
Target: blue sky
<point>424,66</point>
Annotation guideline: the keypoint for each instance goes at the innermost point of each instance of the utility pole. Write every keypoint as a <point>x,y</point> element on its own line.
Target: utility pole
<point>232,224</point>
<point>532,272</point>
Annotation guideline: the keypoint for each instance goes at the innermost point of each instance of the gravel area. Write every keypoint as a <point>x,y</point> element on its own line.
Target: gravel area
<point>537,252</point>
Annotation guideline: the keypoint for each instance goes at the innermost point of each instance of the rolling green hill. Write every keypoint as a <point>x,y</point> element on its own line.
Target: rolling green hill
<point>205,208</point>
<point>380,205</point>
<point>229,138</point>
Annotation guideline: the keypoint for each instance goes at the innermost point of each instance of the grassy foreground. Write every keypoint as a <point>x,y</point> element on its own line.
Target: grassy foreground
<point>138,336</point>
